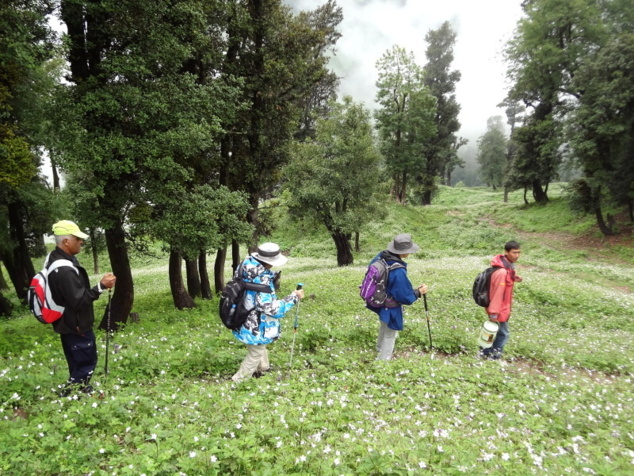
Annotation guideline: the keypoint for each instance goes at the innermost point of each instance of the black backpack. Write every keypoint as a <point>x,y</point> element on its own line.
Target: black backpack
<point>231,307</point>
<point>482,286</point>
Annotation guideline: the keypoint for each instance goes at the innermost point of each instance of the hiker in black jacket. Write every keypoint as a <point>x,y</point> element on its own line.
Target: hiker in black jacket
<point>70,288</point>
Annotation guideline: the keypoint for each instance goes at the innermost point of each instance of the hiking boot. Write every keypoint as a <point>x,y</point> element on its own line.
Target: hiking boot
<point>67,389</point>
<point>87,389</point>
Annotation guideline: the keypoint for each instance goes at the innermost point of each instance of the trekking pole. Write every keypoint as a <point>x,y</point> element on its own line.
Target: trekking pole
<point>108,333</point>
<point>295,326</point>
<point>427,316</point>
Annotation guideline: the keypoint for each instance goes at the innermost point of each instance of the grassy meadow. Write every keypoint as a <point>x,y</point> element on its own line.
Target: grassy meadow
<point>560,402</point>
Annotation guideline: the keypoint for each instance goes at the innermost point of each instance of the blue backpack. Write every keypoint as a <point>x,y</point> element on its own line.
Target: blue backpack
<point>373,289</point>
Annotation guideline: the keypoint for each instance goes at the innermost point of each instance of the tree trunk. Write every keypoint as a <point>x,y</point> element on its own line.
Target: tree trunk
<point>605,229</point>
<point>193,279</point>
<point>56,186</point>
<point>598,213</point>
<point>5,306</point>
<point>396,187</point>
<point>182,300</point>
<point>235,255</point>
<point>23,270</point>
<point>95,251</point>
<point>539,194</point>
<point>525,199</point>
<point>123,296</point>
<point>219,269</point>
<point>403,191</point>
<point>7,258</point>
<point>205,287</point>
<point>506,194</point>
<point>3,282</point>
<point>344,251</point>
<point>426,200</point>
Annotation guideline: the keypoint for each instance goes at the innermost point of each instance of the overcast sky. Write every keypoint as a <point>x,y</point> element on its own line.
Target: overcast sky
<point>370,27</point>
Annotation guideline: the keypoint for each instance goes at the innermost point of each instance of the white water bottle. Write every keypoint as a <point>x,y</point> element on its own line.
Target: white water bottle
<point>487,334</point>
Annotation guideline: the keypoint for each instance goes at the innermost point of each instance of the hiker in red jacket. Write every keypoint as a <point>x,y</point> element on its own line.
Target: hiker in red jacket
<point>501,296</point>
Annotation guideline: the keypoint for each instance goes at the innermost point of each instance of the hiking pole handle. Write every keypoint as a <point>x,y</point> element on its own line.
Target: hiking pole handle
<point>425,301</point>
<point>296,323</point>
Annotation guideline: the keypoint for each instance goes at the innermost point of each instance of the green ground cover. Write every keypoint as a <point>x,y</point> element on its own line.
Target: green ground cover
<point>560,403</point>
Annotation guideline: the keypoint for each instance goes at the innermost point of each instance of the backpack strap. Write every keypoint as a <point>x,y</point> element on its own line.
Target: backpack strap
<point>251,286</point>
<point>59,263</point>
<point>389,300</point>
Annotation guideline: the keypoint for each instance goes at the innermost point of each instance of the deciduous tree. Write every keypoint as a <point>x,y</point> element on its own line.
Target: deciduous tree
<point>279,60</point>
<point>334,181</point>
<point>550,43</point>
<point>135,113</point>
<point>492,153</point>
<point>26,46</point>
<point>405,119</point>
<point>602,126</point>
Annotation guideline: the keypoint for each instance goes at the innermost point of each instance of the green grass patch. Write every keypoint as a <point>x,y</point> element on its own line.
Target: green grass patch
<point>560,402</point>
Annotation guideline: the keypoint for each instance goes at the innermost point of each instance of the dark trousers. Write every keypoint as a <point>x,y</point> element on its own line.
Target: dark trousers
<point>81,355</point>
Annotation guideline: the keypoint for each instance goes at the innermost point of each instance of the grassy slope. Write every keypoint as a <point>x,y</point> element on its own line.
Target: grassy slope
<point>561,402</point>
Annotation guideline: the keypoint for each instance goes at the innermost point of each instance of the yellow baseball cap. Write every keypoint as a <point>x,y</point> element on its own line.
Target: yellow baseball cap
<point>65,227</point>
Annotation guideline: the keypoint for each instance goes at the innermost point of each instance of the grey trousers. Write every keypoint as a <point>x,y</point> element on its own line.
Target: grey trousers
<point>385,342</point>
<point>257,359</point>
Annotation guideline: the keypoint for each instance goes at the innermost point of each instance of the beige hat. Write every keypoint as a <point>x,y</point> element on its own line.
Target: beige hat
<point>403,245</point>
<point>65,227</point>
<point>270,253</point>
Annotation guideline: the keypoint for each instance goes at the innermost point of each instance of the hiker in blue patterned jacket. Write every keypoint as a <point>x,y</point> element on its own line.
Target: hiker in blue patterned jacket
<point>399,291</point>
<point>262,326</point>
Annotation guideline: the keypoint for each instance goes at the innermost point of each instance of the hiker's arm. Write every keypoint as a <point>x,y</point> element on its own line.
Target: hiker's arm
<point>269,305</point>
<point>400,287</point>
<point>496,294</point>
<point>108,281</point>
<point>70,286</point>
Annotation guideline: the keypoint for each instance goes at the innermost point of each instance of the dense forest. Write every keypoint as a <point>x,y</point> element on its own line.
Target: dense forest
<point>184,122</point>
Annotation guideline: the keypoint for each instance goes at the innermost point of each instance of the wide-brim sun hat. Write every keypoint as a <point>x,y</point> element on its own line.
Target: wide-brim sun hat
<point>270,253</point>
<point>402,245</point>
<point>67,227</point>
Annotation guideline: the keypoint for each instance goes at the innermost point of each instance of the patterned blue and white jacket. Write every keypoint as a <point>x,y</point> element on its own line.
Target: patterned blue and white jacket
<point>262,325</point>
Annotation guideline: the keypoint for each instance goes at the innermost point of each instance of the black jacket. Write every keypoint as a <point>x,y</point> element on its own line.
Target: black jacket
<point>72,290</point>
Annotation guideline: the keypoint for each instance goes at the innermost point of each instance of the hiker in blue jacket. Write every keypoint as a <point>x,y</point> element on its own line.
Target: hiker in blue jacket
<point>399,291</point>
<point>262,326</point>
